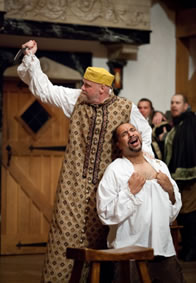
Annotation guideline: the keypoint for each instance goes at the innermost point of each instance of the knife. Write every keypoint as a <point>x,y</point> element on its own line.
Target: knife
<point>20,53</point>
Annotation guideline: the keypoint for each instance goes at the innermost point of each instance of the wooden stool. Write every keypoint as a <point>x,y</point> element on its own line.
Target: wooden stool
<point>81,255</point>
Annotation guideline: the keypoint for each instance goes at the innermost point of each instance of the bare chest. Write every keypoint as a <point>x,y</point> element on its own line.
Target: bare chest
<point>146,170</point>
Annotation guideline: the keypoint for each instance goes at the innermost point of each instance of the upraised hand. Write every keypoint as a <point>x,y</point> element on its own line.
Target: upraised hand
<point>30,47</point>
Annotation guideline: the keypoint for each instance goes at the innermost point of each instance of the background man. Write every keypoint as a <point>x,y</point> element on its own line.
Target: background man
<point>94,113</point>
<point>138,199</point>
<point>146,108</point>
<point>157,121</point>
<point>180,156</point>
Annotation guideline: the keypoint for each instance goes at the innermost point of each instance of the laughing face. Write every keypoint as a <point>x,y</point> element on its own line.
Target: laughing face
<point>129,139</point>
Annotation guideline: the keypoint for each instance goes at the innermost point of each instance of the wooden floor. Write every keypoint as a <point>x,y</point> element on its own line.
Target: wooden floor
<point>27,269</point>
<point>21,268</point>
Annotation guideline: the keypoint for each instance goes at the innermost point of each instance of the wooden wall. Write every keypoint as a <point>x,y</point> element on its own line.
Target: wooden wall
<point>185,32</point>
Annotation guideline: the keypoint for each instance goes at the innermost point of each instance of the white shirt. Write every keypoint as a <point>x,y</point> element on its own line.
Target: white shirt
<point>142,219</point>
<point>65,98</point>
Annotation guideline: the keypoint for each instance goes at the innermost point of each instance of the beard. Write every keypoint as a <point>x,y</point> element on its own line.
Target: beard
<point>84,96</point>
<point>135,149</point>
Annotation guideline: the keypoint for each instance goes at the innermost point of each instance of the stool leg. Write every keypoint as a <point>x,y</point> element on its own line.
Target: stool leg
<point>76,272</point>
<point>143,271</point>
<point>95,272</point>
<point>125,271</point>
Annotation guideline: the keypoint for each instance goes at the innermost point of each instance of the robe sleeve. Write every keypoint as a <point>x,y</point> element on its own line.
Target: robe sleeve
<point>115,202</point>
<point>30,72</point>
<point>143,127</point>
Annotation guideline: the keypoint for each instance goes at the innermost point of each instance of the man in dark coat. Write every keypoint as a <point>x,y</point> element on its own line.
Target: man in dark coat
<point>180,156</point>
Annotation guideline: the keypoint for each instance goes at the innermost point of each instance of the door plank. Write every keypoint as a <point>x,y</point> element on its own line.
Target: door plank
<point>29,188</point>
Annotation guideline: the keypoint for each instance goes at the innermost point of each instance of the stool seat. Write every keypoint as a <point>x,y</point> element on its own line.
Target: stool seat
<point>81,255</point>
<point>127,253</point>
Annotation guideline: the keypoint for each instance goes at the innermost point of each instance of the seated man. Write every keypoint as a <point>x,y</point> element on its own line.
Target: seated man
<point>138,199</point>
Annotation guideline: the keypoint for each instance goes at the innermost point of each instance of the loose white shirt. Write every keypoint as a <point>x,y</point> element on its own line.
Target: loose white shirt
<point>142,219</point>
<point>65,98</point>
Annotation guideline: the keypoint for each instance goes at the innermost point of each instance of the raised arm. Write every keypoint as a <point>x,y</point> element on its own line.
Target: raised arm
<point>40,86</point>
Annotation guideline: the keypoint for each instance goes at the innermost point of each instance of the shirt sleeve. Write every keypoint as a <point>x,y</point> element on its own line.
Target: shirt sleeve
<point>115,202</point>
<point>143,127</point>
<point>30,72</point>
<point>174,208</point>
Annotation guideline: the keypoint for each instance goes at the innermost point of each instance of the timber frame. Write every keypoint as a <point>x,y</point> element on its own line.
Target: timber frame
<point>185,33</point>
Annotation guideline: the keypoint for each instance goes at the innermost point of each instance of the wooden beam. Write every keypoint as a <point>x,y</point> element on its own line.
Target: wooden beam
<point>192,91</point>
<point>186,23</point>
<point>122,51</point>
<point>182,66</point>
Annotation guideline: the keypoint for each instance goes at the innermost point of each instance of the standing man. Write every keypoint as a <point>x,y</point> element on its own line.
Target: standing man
<point>180,156</point>
<point>138,199</point>
<point>94,113</point>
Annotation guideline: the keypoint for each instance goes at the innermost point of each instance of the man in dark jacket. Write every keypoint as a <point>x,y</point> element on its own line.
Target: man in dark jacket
<point>180,156</point>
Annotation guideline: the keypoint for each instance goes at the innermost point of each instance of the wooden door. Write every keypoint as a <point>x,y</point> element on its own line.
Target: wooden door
<point>33,142</point>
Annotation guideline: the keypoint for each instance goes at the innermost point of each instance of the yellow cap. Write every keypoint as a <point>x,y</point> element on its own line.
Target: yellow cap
<point>98,75</point>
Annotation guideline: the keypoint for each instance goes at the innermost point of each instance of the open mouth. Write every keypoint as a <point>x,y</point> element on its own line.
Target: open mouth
<point>133,140</point>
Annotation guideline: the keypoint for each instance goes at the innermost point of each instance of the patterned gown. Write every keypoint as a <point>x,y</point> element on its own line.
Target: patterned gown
<point>75,222</point>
